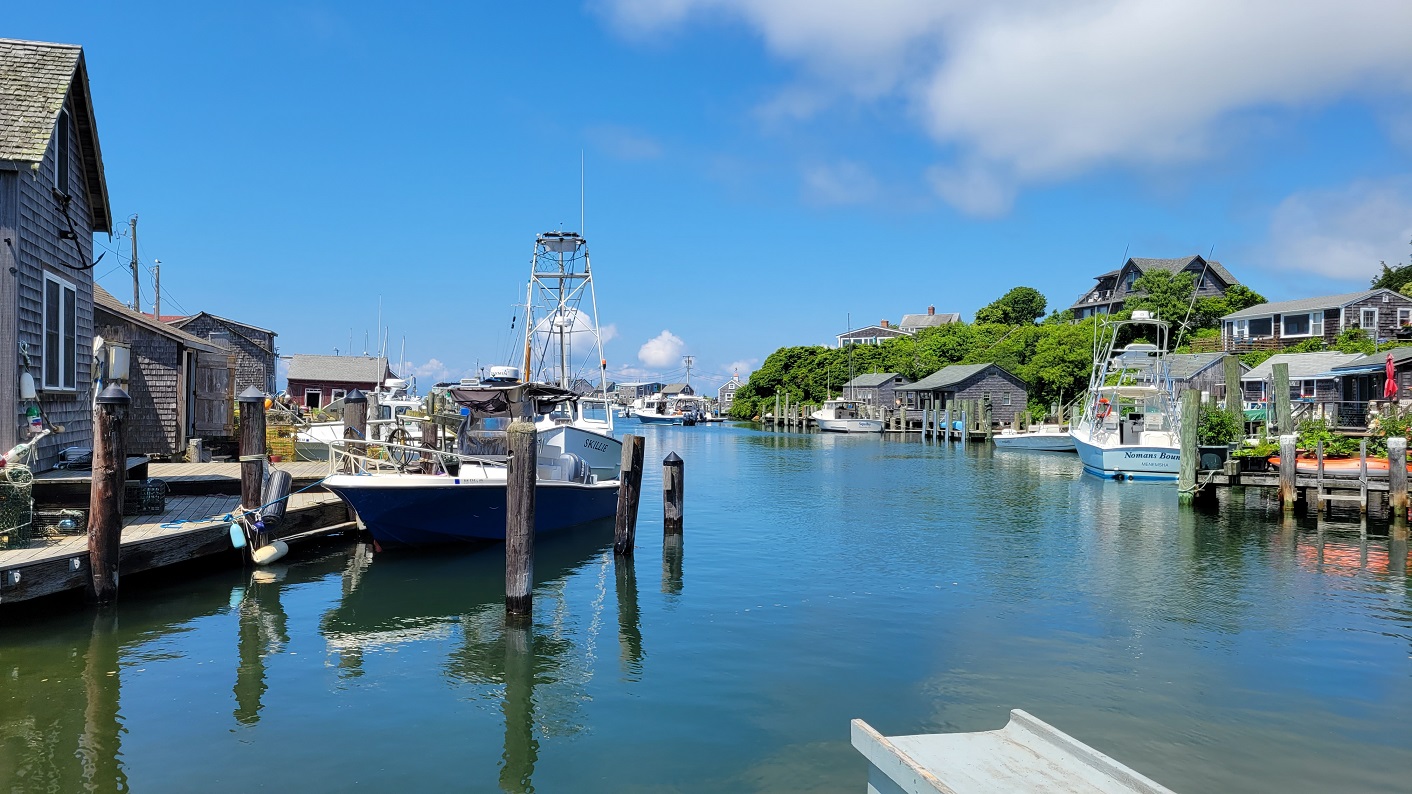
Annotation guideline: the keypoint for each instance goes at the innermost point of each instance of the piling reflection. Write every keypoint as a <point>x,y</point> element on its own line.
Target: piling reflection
<point>521,748</point>
<point>100,746</point>
<point>671,565</point>
<point>263,631</point>
<point>629,619</point>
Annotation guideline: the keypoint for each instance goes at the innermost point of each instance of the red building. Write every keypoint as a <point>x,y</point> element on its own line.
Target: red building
<point>316,381</point>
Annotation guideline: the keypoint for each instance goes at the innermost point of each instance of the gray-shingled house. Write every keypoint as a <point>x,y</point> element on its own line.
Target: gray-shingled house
<point>316,381</point>
<point>180,384</point>
<point>912,323</point>
<point>1115,287</point>
<point>53,199</point>
<point>875,388</point>
<point>1008,395</point>
<point>1205,372</point>
<point>1381,313</point>
<point>254,347</point>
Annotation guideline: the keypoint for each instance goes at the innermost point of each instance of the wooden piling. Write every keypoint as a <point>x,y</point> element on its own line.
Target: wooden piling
<point>946,420</point>
<point>105,501</point>
<point>673,493</point>
<point>1289,491</point>
<point>775,417</point>
<point>1397,479</point>
<point>986,424</point>
<point>519,519</point>
<point>787,417</point>
<point>1280,402</point>
<point>629,493</point>
<point>1363,475</point>
<point>1188,465</point>
<point>252,451</point>
<point>355,418</point>
<point>1235,406</point>
<point>965,423</point>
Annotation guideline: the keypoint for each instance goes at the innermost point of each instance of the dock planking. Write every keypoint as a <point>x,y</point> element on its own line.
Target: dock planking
<point>70,487</point>
<point>150,542</point>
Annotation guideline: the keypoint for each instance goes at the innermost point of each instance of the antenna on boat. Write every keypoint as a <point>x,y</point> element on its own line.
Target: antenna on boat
<point>583,228</point>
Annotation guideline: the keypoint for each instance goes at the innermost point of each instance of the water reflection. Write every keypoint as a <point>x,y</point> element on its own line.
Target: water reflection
<point>100,746</point>
<point>671,564</point>
<point>521,748</point>
<point>263,631</point>
<point>629,620</point>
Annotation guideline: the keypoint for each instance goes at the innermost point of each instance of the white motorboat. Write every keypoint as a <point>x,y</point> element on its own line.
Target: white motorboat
<point>408,495</point>
<point>845,416</point>
<point>388,406</point>
<point>1129,429</point>
<point>1048,438</point>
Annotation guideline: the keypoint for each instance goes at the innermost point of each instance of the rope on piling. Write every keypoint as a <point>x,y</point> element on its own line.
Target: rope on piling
<point>1210,475</point>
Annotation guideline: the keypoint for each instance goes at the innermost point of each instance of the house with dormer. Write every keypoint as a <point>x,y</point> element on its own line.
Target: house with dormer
<point>53,199</point>
<point>1112,289</point>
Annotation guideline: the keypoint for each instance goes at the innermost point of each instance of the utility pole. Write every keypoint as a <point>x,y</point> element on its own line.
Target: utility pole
<point>136,295</point>
<point>157,288</point>
<point>689,360</point>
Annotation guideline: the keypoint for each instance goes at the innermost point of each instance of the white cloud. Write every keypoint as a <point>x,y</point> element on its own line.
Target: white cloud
<point>663,350</point>
<point>1343,234</point>
<point>844,182</point>
<point>433,369</point>
<point>743,366</point>
<point>1023,91</point>
<point>622,143</point>
<point>608,332</point>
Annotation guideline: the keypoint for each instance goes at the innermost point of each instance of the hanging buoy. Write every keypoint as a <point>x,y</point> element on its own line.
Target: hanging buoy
<point>268,554</point>
<point>237,536</point>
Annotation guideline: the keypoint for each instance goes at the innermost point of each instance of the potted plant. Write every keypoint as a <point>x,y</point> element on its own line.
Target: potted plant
<point>1216,431</point>
<point>1255,458</point>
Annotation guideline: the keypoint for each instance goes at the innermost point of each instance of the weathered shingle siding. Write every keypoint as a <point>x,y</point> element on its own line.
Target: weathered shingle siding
<point>1211,380</point>
<point>254,351</point>
<point>1386,303</point>
<point>154,387</point>
<point>9,351</point>
<point>41,249</point>
<point>997,385</point>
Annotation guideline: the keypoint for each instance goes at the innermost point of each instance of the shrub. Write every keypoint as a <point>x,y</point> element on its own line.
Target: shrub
<point>1216,427</point>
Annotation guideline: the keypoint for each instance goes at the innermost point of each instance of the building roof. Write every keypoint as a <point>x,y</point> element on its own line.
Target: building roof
<point>1181,263</point>
<point>35,78</point>
<point>913,321</point>
<point>1302,365</point>
<point>677,388</point>
<point>104,300</point>
<point>871,380</point>
<point>950,376</point>
<point>1400,356</point>
<point>1306,304</point>
<point>1185,366</point>
<point>354,369</point>
<point>182,321</point>
<point>874,330</point>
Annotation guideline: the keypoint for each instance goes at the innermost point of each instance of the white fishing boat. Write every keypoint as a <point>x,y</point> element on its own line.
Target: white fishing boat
<point>845,416</point>
<point>408,495</point>
<point>388,406</point>
<point>1047,438</point>
<point>677,409</point>
<point>1129,429</point>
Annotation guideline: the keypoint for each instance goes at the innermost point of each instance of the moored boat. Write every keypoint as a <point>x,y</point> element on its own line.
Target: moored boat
<point>1047,438</point>
<point>1129,429</point>
<point>845,416</point>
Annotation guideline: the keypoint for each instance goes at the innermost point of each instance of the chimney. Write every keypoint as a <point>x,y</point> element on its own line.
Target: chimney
<point>884,324</point>
<point>931,311</point>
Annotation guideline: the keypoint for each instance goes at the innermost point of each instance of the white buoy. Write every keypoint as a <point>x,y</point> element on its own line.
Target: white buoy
<point>268,554</point>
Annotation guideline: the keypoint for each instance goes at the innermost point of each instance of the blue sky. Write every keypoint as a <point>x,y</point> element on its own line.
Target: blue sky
<point>756,170</point>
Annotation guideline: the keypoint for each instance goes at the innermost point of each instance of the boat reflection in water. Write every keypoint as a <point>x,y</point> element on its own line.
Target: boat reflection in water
<point>392,601</point>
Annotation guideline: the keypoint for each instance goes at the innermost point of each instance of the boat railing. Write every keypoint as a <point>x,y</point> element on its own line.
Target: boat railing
<point>366,457</point>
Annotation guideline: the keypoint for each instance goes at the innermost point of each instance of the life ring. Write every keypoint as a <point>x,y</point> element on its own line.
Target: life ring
<point>1104,408</point>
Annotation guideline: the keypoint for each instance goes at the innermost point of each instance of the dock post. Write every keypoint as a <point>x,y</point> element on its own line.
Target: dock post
<point>1235,405</point>
<point>786,411</point>
<point>965,424</point>
<point>629,493</point>
<point>1288,473</point>
<point>1363,475</point>
<point>355,417</point>
<point>1397,479</point>
<point>986,424</point>
<point>1280,403</point>
<point>946,421</point>
<point>105,500</point>
<point>519,520</point>
<point>1186,473</point>
<point>775,417</point>
<point>673,493</point>
<point>252,452</point>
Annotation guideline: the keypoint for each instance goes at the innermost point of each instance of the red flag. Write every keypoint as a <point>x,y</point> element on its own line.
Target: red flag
<point>1390,385</point>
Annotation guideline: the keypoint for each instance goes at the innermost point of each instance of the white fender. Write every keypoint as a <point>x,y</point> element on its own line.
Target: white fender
<point>268,554</point>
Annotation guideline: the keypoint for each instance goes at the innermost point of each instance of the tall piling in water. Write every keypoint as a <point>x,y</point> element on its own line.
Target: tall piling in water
<point>673,493</point>
<point>629,494</point>
<point>105,500</point>
<point>519,520</point>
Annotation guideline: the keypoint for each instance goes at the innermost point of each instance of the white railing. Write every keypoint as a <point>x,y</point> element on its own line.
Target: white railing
<point>356,456</point>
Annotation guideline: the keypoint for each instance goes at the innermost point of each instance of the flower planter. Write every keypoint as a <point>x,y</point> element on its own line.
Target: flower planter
<point>1250,464</point>
<point>1212,457</point>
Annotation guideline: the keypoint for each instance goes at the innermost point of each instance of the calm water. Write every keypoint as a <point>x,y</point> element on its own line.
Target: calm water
<point>822,578</point>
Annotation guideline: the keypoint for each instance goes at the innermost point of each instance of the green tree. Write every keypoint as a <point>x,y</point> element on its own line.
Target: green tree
<point>1354,340</point>
<point>1167,295</point>
<point>1019,306</point>
<point>1396,277</point>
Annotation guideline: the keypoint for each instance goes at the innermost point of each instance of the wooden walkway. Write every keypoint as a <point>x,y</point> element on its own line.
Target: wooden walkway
<point>61,563</point>
<point>70,487</point>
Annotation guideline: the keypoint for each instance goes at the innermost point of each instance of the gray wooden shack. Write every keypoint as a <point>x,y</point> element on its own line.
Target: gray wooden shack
<point>1007,394</point>
<point>254,347</point>
<point>1199,371</point>
<point>181,385</point>
<point>53,199</point>
<point>875,388</point>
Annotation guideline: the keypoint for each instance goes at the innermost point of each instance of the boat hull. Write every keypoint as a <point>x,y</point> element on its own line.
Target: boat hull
<point>412,510</point>
<point>1131,462</point>
<point>602,453</point>
<point>659,419</point>
<point>1044,442</point>
<point>850,425</point>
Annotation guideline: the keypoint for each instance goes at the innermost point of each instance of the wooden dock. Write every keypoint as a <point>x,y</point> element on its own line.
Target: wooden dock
<point>70,486</point>
<point>179,534</point>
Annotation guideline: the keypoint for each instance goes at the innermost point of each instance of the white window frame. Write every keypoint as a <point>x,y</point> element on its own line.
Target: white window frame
<point>319,392</point>
<point>1308,320</point>
<point>61,151</point>
<point>1005,399</point>
<point>335,395</point>
<point>1316,323</point>
<point>1404,316</point>
<point>67,354</point>
<point>1362,319</point>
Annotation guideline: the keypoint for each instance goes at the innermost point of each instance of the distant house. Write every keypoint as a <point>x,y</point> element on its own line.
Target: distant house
<point>1117,286</point>
<point>627,392</point>
<point>871,335</point>
<point>875,388</point>
<point>254,347</point>
<point>912,323</point>
<point>1006,393</point>
<point>316,381</point>
<point>1382,313</point>
<point>53,199</point>
<point>1204,372</point>
<point>725,395</point>
<point>1310,377</point>
<point>672,389</point>
<point>181,385</point>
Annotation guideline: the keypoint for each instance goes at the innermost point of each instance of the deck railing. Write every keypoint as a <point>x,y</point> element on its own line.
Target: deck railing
<point>353,456</point>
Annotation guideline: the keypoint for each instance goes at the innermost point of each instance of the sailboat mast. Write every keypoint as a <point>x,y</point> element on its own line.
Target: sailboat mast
<point>563,332</point>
